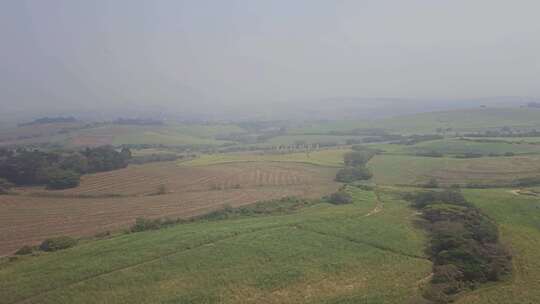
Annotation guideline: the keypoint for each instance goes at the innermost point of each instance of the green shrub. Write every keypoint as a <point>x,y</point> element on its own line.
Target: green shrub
<point>58,243</point>
<point>340,198</point>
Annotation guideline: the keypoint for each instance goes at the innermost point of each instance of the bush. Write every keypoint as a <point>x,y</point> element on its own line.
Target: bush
<point>58,243</point>
<point>432,183</point>
<point>24,250</point>
<point>340,198</point>
<point>58,179</point>
<point>143,224</point>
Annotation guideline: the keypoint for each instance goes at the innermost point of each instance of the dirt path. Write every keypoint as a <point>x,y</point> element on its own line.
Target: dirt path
<point>378,205</point>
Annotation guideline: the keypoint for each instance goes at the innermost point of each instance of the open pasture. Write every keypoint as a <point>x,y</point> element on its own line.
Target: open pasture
<point>111,200</point>
<point>414,170</point>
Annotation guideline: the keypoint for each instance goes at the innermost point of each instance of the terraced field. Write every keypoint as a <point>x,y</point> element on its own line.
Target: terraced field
<point>112,200</point>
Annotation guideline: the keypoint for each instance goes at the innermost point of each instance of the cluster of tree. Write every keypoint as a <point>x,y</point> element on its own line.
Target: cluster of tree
<point>470,155</point>
<point>383,138</point>
<point>443,130</point>
<point>256,134</point>
<point>355,165</point>
<point>533,104</point>
<point>58,170</point>
<point>357,132</point>
<point>505,132</point>
<point>402,139</point>
<point>414,139</point>
<point>431,153</point>
<point>464,247</point>
<point>138,122</point>
<point>156,157</point>
<point>46,120</point>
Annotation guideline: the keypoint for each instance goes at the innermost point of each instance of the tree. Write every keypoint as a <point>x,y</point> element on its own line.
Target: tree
<point>351,174</point>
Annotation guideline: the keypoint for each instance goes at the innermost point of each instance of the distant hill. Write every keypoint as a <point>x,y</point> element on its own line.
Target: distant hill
<point>48,120</point>
<point>464,120</point>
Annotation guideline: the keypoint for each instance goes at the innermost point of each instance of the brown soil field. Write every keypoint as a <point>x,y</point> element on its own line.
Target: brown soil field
<point>111,201</point>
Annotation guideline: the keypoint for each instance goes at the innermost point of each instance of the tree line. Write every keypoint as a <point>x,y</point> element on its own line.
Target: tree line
<point>58,169</point>
<point>464,246</point>
<point>355,165</point>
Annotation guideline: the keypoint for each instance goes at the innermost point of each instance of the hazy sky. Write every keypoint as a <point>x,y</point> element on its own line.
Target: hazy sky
<point>57,53</point>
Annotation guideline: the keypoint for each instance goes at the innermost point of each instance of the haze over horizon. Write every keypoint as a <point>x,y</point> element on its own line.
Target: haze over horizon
<point>220,56</point>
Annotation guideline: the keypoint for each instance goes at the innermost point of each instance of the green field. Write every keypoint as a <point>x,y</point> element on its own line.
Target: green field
<point>330,158</point>
<point>321,254</point>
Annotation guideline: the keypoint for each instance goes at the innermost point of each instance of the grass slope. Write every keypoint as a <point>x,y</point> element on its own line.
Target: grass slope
<point>321,254</point>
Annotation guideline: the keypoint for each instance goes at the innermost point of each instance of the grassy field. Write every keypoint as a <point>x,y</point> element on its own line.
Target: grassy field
<point>330,158</point>
<point>321,254</point>
<point>112,200</point>
<point>411,170</point>
<point>518,217</point>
